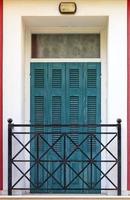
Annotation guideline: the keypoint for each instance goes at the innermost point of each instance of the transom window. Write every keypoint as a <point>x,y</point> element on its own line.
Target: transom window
<point>65,45</point>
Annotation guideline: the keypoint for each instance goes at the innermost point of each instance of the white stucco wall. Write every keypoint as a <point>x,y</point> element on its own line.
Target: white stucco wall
<point>14,60</point>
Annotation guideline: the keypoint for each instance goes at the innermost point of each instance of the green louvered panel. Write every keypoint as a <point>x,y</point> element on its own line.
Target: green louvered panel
<point>93,101</point>
<point>66,93</point>
<point>93,92</point>
<point>74,89</point>
<point>39,78</point>
<point>74,116</point>
<point>74,78</point>
<point>91,78</point>
<point>56,109</point>
<point>57,94</point>
<point>56,119</point>
<point>93,117</point>
<point>39,145</point>
<point>74,119</point>
<point>74,109</point>
<point>37,113</point>
<point>56,115</point>
<point>91,109</point>
<point>39,118</point>
<point>56,78</point>
<point>39,109</point>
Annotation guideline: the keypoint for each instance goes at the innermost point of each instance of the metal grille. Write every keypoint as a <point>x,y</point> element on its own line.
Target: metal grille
<point>66,159</point>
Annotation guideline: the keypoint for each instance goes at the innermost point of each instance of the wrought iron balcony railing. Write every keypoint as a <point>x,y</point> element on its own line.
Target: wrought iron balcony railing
<point>64,158</point>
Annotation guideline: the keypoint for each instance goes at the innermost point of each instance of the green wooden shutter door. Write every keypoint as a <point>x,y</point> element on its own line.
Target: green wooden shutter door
<point>74,101</point>
<point>83,106</point>
<point>65,93</point>
<point>38,112</point>
<point>56,100</point>
<point>93,101</point>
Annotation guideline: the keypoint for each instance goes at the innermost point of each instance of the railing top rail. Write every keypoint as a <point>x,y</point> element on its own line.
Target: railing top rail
<point>64,125</point>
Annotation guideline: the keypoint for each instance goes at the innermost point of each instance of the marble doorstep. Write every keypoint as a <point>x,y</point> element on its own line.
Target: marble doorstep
<point>41,197</point>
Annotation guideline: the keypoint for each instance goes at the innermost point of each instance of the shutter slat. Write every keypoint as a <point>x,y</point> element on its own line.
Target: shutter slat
<point>74,78</point>
<point>91,107</point>
<point>91,78</point>
<point>56,109</point>
<point>39,78</point>
<point>91,116</point>
<point>56,78</point>
<point>74,109</point>
<point>39,109</point>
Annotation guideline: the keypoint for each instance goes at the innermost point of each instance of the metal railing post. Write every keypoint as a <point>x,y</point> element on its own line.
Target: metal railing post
<point>119,155</point>
<point>10,156</point>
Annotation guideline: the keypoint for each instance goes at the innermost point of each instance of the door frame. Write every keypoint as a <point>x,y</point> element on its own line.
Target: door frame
<point>102,60</point>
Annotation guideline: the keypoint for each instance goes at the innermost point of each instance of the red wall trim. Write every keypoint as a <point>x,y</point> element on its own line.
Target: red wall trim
<point>128,90</point>
<point>1,94</point>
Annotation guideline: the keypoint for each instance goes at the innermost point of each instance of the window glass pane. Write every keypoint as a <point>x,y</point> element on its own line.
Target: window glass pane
<point>65,45</point>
